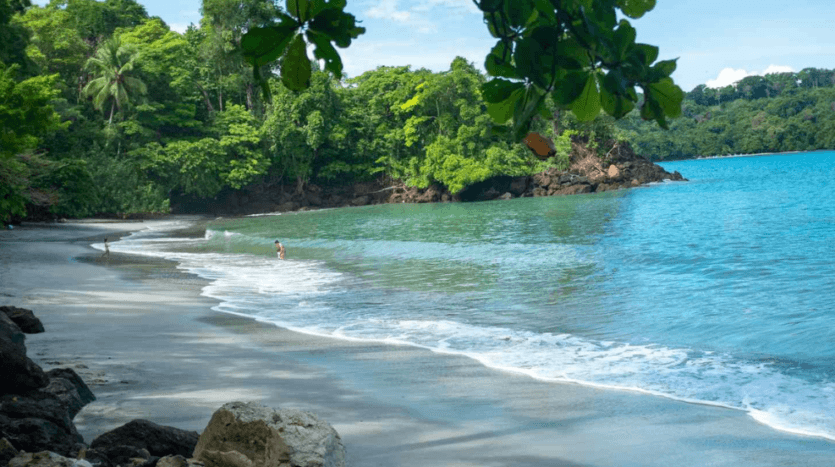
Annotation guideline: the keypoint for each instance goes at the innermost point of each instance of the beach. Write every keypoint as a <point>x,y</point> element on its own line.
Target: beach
<point>150,346</point>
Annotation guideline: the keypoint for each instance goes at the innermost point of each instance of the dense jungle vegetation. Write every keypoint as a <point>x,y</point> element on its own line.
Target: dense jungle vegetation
<point>778,112</point>
<point>104,109</point>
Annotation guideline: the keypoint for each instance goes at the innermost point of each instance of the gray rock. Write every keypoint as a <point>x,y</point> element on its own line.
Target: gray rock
<point>159,440</point>
<point>178,461</point>
<point>69,388</point>
<point>244,434</point>
<point>38,421</point>
<point>25,319</point>
<point>46,459</point>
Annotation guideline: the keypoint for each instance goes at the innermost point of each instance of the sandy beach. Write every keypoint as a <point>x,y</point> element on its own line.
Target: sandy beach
<point>150,346</point>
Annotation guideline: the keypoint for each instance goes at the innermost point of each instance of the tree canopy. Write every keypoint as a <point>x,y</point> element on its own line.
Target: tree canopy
<point>576,52</point>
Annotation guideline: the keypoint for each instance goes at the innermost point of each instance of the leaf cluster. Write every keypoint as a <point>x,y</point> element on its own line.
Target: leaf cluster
<point>577,53</point>
<point>320,23</point>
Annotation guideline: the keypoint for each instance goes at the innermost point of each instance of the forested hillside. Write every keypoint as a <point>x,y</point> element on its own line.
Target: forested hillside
<point>107,110</point>
<point>774,113</point>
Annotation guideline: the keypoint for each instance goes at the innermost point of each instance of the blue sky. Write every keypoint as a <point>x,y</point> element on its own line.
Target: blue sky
<point>716,41</point>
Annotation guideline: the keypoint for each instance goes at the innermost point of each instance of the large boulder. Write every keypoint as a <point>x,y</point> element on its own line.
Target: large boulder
<point>159,440</point>
<point>38,421</point>
<point>25,319</point>
<point>20,373</point>
<point>242,434</point>
<point>69,388</point>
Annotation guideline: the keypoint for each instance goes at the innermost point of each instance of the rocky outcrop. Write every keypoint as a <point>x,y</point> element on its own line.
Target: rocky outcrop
<point>36,407</point>
<point>244,434</point>
<point>25,319</point>
<point>20,373</point>
<point>159,440</point>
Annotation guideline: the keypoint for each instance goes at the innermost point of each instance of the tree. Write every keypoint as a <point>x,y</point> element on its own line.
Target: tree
<point>575,51</point>
<point>113,63</point>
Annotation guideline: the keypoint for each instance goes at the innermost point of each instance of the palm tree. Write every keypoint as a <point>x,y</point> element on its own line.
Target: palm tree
<point>112,64</point>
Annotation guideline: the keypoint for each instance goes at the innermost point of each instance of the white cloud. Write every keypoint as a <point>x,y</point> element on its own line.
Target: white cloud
<point>423,16</point>
<point>730,75</point>
<point>178,27</point>
<point>387,9</point>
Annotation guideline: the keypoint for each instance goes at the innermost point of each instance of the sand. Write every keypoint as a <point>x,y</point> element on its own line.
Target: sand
<point>150,346</point>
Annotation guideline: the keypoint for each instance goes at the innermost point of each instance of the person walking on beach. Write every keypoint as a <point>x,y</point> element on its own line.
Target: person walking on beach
<point>106,248</point>
<point>279,249</point>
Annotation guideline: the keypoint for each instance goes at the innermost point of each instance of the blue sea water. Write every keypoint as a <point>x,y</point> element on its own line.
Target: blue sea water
<point>718,290</point>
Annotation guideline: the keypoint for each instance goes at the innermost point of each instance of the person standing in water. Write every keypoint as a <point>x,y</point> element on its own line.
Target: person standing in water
<point>279,249</point>
<point>106,248</point>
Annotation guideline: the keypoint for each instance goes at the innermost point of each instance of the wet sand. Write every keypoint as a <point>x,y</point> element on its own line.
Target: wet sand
<point>149,346</point>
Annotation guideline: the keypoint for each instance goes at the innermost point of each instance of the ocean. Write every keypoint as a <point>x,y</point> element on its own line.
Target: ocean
<point>719,290</point>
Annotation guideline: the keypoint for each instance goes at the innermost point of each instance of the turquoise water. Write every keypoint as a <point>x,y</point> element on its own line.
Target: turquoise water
<point>718,290</point>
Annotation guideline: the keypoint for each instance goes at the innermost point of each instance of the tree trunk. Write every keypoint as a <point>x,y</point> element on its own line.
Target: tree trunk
<point>206,98</point>
<point>112,108</point>
<point>299,185</point>
<point>249,104</point>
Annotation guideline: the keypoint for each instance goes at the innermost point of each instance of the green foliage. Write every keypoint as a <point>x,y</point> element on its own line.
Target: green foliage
<point>230,157</point>
<point>112,64</point>
<point>744,119</point>
<point>26,115</point>
<point>315,22</point>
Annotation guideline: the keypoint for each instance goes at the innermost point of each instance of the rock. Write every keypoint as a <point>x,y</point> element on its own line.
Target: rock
<point>119,454</point>
<point>20,373</point>
<point>613,172</point>
<point>507,195</point>
<point>360,201</point>
<point>25,319</point>
<point>12,333</point>
<point>178,461</point>
<point>46,459</point>
<point>69,388</point>
<point>38,421</point>
<point>159,440</point>
<point>244,434</point>
<point>7,451</point>
<point>635,182</point>
<point>518,185</point>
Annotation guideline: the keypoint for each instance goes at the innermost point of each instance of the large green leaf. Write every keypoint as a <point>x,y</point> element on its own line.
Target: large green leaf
<point>635,8</point>
<point>569,87</point>
<point>325,51</point>
<point>499,61</point>
<point>502,111</point>
<point>587,106</point>
<point>263,45</point>
<point>499,90</point>
<point>299,8</point>
<point>668,96</point>
<point>317,6</point>
<point>339,26</point>
<point>295,66</point>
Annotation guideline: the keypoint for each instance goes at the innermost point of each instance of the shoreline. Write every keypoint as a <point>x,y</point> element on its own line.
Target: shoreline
<point>166,356</point>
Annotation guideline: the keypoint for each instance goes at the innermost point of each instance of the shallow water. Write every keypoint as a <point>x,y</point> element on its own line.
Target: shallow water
<point>718,290</point>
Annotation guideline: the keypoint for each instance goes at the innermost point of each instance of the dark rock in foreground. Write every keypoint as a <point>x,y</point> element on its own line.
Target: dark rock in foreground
<point>20,373</point>
<point>159,440</point>
<point>25,319</point>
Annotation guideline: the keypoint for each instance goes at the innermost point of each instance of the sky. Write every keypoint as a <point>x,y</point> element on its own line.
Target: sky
<point>716,42</point>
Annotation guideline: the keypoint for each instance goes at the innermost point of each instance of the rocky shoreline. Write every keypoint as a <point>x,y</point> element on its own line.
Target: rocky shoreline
<point>620,169</point>
<point>37,409</point>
